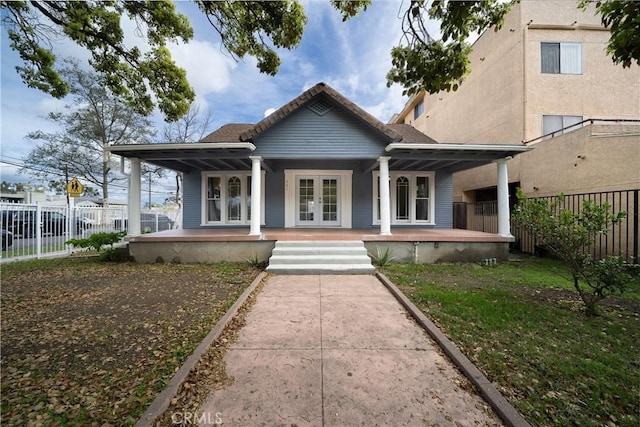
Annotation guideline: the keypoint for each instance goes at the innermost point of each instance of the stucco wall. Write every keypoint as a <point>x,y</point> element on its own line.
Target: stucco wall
<point>603,90</point>
<point>593,158</point>
<point>582,161</point>
<point>432,252</point>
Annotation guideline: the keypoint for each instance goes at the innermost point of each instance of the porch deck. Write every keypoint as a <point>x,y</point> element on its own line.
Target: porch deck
<point>366,235</point>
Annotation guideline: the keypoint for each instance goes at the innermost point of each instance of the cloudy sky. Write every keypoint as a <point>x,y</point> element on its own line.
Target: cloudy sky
<point>353,57</point>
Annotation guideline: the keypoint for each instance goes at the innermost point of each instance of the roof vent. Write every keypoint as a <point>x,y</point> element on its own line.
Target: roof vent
<point>320,107</point>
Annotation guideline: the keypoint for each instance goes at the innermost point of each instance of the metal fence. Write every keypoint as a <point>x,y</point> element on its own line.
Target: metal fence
<point>622,238</point>
<point>41,230</point>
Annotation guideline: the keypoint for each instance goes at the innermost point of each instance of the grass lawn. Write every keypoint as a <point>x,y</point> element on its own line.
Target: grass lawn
<point>523,326</point>
<point>85,342</point>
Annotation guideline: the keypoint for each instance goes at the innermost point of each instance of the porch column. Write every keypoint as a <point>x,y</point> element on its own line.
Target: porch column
<point>504,220</point>
<point>385,203</point>
<point>133,228</point>
<point>256,210</point>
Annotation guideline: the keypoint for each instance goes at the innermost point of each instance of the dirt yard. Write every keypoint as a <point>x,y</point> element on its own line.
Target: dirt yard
<point>93,343</point>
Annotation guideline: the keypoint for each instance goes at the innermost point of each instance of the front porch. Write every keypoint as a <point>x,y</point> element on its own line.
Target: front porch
<point>424,245</point>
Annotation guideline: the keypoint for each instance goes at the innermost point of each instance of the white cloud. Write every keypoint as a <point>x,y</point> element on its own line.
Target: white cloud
<point>269,111</point>
<point>208,68</point>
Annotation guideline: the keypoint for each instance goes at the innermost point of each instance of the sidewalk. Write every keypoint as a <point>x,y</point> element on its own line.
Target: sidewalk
<point>339,351</point>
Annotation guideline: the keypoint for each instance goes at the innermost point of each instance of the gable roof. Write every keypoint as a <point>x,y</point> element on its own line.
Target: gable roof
<point>304,98</point>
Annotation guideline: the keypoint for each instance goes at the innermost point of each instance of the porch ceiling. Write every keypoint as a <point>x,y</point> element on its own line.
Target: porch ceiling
<point>449,157</point>
<point>235,156</point>
<point>190,157</point>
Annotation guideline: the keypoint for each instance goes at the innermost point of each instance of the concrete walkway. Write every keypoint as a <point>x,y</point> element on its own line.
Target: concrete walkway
<point>339,351</point>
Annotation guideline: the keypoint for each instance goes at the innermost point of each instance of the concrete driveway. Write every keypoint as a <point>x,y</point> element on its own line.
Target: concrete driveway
<point>339,351</point>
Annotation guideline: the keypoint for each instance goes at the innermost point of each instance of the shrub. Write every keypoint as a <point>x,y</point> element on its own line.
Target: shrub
<point>99,241</point>
<point>383,257</point>
<point>570,236</point>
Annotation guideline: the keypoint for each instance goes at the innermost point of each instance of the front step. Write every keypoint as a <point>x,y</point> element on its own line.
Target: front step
<point>320,257</point>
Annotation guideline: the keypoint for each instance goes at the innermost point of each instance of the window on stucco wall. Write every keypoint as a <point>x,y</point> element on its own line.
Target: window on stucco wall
<point>561,58</point>
<point>552,124</point>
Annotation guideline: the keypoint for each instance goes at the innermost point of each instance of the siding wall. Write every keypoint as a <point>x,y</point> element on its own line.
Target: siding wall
<point>192,200</point>
<point>444,200</point>
<point>334,135</point>
<point>362,199</point>
<point>362,206</point>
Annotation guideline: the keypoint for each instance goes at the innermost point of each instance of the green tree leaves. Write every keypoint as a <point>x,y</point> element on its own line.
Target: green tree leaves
<point>96,26</point>
<point>622,17</point>
<point>422,63</point>
<point>256,28</point>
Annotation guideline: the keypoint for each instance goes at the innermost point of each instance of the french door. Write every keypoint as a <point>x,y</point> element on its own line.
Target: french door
<point>318,201</point>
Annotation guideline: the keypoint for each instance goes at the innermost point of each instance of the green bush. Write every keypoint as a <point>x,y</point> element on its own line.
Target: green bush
<point>570,236</point>
<point>98,241</point>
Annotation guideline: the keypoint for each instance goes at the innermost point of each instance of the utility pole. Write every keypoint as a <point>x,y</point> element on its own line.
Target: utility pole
<point>66,181</point>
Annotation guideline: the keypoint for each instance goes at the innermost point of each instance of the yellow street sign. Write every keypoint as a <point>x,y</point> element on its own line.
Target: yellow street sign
<point>75,188</point>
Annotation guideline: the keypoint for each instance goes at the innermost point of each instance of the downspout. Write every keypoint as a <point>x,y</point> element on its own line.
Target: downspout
<point>525,39</point>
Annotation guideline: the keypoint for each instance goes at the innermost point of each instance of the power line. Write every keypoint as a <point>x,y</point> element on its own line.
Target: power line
<point>60,173</point>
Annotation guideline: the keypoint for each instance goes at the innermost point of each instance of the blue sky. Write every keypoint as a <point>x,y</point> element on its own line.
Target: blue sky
<point>353,57</point>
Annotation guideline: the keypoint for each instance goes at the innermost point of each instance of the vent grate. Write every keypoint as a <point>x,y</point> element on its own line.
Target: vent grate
<point>321,107</point>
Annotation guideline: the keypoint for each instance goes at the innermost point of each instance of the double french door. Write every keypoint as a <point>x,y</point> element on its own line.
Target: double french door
<point>317,201</point>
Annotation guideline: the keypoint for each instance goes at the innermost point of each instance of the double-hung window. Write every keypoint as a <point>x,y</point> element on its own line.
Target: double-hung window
<point>561,58</point>
<point>227,198</point>
<point>412,197</point>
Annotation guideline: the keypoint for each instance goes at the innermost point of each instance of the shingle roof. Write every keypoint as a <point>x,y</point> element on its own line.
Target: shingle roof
<point>410,134</point>
<point>228,133</point>
<point>320,88</point>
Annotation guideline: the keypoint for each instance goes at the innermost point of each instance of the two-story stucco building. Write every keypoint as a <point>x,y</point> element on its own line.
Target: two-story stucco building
<point>545,70</point>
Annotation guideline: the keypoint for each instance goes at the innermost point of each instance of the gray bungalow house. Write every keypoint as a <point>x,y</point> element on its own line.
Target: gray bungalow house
<point>318,163</point>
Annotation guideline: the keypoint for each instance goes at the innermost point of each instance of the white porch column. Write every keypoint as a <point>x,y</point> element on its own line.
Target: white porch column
<point>504,220</point>
<point>385,202</point>
<point>134,198</point>
<point>256,210</point>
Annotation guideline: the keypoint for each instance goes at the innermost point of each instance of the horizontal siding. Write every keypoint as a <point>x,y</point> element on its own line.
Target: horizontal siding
<point>274,199</point>
<point>362,208</point>
<point>192,200</point>
<point>444,200</point>
<point>305,135</point>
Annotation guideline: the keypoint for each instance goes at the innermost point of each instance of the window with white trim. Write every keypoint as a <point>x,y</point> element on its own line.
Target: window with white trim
<point>561,58</point>
<point>411,197</point>
<point>227,197</point>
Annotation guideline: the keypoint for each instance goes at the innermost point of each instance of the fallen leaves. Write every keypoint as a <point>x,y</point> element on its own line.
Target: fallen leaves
<point>96,345</point>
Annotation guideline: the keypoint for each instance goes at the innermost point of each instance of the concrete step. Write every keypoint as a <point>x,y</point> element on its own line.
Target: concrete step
<point>320,243</point>
<point>324,250</point>
<point>320,257</point>
<point>321,269</point>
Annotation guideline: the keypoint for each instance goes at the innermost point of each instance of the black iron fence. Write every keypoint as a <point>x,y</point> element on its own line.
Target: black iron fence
<point>621,239</point>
